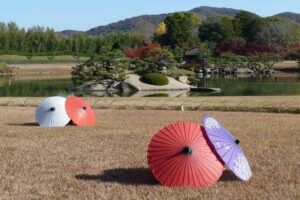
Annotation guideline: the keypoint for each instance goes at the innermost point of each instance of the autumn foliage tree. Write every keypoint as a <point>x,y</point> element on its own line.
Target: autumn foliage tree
<point>233,46</point>
<point>240,47</point>
<point>254,49</point>
<point>293,52</point>
<point>160,29</point>
<point>137,53</point>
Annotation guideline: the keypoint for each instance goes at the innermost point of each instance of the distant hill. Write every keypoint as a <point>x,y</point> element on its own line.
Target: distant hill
<point>146,24</point>
<point>143,24</point>
<point>205,11</point>
<point>291,17</point>
<point>69,32</point>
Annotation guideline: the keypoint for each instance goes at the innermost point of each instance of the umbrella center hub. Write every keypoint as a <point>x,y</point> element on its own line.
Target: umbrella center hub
<point>187,150</point>
<point>52,109</point>
<point>237,141</point>
<point>84,108</point>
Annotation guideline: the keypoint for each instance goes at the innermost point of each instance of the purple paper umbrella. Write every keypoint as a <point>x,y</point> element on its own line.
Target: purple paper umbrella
<point>228,148</point>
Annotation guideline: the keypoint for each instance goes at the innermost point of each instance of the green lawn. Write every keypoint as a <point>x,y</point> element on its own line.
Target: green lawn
<point>179,72</point>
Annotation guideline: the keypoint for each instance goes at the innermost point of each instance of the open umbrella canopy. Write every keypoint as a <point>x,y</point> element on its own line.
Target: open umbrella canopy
<point>179,156</point>
<point>80,111</point>
<point>228,148</point>
<point>51,112</point>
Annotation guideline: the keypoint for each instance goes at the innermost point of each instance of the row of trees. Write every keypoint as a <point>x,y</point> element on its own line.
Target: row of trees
<point>257,62</point>
<point>40,41</point>
<point>111,66</point>
<point>245,34</point>
<point>245,39</point>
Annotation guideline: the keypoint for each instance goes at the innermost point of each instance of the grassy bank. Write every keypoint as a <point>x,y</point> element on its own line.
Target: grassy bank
<point>273,104</point>
<point>19,59</point>
<point>41,68</point>
<point>108,161</point>
<point>286,65</point>
<point>16,59</point>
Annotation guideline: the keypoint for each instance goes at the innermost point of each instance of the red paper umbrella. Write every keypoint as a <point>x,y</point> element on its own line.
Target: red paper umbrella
<point>180,156</point>
<point>80,112</point>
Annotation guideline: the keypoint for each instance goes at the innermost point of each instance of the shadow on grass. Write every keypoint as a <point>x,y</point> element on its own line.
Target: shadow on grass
<point>228,176</point>
<point>131,176</point>
<point>36,124</point>
<point>24,124</point>
<point>71,123</point>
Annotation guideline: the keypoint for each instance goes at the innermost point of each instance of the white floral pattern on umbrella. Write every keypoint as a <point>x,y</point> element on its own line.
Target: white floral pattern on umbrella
<point>241,167</point>
<point>211,123</point>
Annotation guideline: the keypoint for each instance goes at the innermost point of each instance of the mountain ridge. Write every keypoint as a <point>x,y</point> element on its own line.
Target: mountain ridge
<point>146,24</point>
<point>290,16</point>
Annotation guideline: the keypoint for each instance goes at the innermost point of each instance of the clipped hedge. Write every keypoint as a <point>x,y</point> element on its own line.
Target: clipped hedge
<point>155,79</point>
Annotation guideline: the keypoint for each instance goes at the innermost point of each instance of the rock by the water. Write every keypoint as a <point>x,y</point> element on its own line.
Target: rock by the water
<point>244,71</point>
<point>133,81</point>
<point>85,85</point>
<point>95,86</point>
<point>183,79</point>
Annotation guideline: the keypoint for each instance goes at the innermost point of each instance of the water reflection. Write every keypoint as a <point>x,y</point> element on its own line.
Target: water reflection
<point>50,85</point>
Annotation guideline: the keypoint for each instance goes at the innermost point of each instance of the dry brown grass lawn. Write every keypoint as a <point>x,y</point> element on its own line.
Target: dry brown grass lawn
<point>286,65</point>
<point>66,68</point>
<point>108,161</point>
<point>50,77</point>
<point>277,104</point>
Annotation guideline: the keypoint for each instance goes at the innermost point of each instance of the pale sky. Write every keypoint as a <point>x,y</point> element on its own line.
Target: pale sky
<point>86,14</point>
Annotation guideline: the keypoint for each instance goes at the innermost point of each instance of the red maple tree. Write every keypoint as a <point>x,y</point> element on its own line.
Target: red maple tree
<point>137,53</point>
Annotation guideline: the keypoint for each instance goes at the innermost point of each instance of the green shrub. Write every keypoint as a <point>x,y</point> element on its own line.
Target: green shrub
<point>155,79</point>
<point>4,68</point>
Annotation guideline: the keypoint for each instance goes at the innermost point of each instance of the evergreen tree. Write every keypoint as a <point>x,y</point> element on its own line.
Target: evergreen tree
<point>107,68</point>
<point>180,27</point>
<point>247,25</point>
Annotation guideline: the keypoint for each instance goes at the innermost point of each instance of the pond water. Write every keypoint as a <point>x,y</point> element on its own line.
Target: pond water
<point>51,85</point>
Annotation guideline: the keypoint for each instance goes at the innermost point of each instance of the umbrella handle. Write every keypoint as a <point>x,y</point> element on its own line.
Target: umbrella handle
<point>187,150</point>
